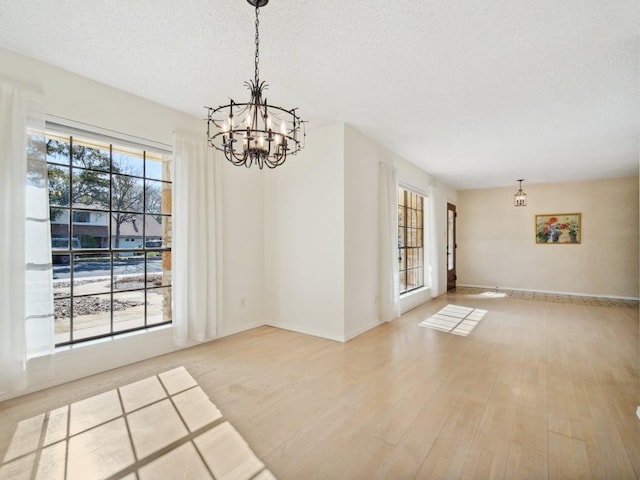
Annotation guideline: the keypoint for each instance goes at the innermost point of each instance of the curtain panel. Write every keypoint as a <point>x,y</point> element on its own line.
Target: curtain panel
<point>438,222</point>
<point>26,284</point>
<point>388,268</point>
<point>197,239</point>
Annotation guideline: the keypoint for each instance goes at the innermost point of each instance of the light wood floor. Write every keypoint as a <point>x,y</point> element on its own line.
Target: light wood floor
<point>537,390</point>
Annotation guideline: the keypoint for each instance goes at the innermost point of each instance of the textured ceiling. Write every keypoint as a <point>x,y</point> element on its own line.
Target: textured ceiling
<point>478,93</point>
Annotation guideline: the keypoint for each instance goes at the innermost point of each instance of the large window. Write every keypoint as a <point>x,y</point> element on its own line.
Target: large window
<point>112,261</point>
<point>410,239</point>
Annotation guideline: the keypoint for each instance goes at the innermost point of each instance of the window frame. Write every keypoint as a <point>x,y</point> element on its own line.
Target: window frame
<point>411,221</point>
<point>107,252</point>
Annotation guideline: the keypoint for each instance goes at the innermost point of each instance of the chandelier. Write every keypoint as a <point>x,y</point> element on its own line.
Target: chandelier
<point>520,198</point>
<point>255,132</point>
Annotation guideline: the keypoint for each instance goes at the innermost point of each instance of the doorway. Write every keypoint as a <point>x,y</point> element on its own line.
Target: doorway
<point>451,246</point>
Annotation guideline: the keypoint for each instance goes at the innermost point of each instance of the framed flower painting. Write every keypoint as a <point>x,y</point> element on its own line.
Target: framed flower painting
<point>559,228</point>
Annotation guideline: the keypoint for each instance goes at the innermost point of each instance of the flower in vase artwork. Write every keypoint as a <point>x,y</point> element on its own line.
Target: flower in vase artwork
<point>558,228</point>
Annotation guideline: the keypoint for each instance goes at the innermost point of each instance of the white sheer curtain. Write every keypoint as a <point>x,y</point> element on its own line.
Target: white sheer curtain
<point>388,272</point>
<point>26,290</point>
<point>197,239</point>
<point>438,222</point>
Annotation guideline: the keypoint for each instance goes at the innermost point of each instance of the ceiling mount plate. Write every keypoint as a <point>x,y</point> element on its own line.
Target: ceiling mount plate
<point>260,3</point>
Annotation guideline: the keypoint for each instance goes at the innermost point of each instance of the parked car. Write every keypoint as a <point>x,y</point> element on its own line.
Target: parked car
<point>62,243</point>
<point>154,243</point>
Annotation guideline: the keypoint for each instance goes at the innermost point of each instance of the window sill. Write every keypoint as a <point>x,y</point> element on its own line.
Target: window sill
<point>414,298</point>
<point>411,293</point>
<point>111,339</point>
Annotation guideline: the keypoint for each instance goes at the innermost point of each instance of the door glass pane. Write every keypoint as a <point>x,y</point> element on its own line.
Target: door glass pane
<point>450,245</point>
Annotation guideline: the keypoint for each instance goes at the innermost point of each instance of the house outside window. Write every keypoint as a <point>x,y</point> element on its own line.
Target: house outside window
<point>106,280</point>
<point>81,217</point>
<point>410,239</point>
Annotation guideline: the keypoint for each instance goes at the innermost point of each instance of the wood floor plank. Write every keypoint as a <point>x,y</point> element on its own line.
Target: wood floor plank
<point>537,390</point>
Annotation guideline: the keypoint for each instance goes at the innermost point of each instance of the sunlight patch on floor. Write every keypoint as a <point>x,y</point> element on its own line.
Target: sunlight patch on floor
<point>455,319</point>
<point>164,426</point>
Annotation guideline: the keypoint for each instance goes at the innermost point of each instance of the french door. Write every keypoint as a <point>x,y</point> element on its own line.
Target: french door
<point>451,247</point>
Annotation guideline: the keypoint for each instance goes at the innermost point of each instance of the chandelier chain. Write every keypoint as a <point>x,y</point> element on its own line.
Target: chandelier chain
<point>257,59</point>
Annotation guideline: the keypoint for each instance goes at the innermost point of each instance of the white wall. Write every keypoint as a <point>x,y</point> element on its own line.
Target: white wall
<point>304,238</point>
<point>497,240</point>
<point>82,100</point>
<point>321,234</point>
<point>243,252</point>
<point>361,231</point>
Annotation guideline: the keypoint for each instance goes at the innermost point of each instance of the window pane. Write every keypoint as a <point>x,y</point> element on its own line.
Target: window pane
<point>90,189</point>
<point>59,220</point>
<point>58,185</point>
<point>62,319</point>
<point>158,305</point>
<point>401,237</point>
<point>128,270</point>
<point>127,193</point>
<point>80,216</point>
<point>126,230</point>
<point>91,316</point>
<point>91,234</point>
<point>90,155</point>
<point>128,162</point>
<point>401,196</point>
<point>128,310</point>
<point>57,148</point>
<point>158,231</point>
<point>154,167</point>
<point>91,274</point>
<point>153,196</point>
<point>158,269</point>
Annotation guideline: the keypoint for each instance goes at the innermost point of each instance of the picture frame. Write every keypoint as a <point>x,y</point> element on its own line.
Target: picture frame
<point>558,229</point>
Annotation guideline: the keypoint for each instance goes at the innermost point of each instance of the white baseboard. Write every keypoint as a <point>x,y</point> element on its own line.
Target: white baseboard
<point>360,331</point>
<point>576,294</point>
<point>306,331</point>
<point>242,328</point>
